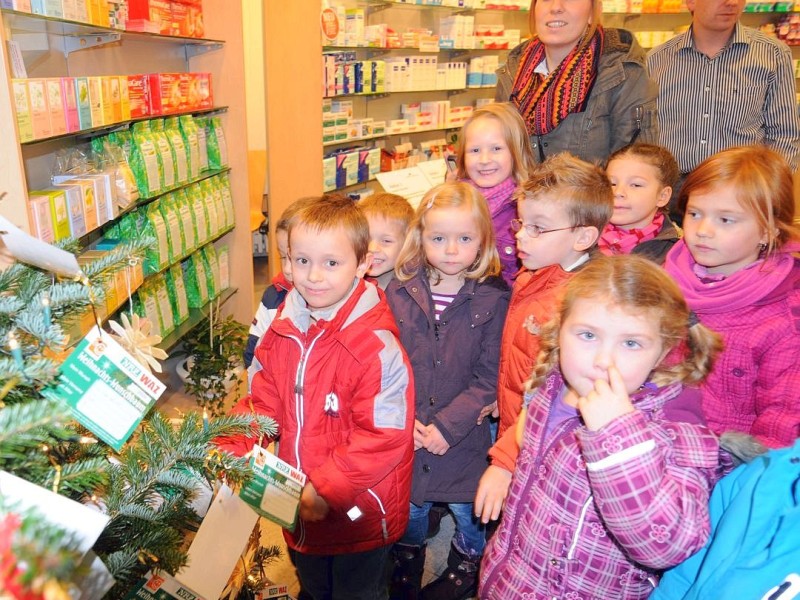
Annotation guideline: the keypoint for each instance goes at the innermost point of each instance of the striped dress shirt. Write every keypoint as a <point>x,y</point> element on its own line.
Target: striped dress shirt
<point>744,95</point>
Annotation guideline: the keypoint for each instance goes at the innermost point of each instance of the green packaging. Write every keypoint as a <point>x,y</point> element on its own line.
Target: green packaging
<point>224,182</point>
<point>196,281</point>
<point>156,257</point>
<point>224,262</point>
<point>177,293</point>
<point>209,255</point>
<point>145,161</point>
<point>188,227</point>
<point>202,142</point>
<point>173,133</point>
<point>147,306</point>
<point>189,132</point>
<point>159,287</point>
<point>210,201</point>
<point>166,156</point>
<point>198,207</point>
<point>174,224</point>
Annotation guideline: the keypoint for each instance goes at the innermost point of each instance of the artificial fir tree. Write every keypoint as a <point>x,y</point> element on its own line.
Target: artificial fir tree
<point>147,489</point>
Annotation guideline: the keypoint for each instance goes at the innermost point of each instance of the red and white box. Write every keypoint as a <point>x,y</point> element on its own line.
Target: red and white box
<point>167,95</point>
<point>139,96</point>
<point>157,12</point>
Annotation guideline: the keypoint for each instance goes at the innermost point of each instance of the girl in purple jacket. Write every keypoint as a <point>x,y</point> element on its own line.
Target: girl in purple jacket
<point>736,269</point>
<point>494,156</point>
<point>615,465</point>
<point>450,307</point>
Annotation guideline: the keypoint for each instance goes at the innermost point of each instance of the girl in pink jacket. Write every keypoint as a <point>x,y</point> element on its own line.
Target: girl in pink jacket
<point>737,272</point>
<point>615,468</point>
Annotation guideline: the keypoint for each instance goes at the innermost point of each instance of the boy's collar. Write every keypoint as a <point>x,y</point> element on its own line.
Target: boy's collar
<point>581,259</point>
<point>303,316</point>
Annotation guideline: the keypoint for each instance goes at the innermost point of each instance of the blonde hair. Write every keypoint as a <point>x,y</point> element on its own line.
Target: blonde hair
<point>388,206</point>
<point>450,195</point>
<point>636,284</point>
<point>334,211</point>
<point>596,18</point>
<point>583,189</point>
<point>763,186</point>
<point>291,211</point>
<point>514,134</point>
<point>656,156</point>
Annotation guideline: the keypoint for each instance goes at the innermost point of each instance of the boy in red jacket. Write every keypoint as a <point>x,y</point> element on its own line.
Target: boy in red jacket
<point>340,387</point>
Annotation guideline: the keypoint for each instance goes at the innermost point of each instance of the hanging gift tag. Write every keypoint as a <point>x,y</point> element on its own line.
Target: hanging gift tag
<point>108,390</point>
<point>274,491</point>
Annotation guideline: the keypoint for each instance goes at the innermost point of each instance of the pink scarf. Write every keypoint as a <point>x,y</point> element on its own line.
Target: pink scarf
<point>615,240</point>
<point>497,196</point>
<point>739,290</point>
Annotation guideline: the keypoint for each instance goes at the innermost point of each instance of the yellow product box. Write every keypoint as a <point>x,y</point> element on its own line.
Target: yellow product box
<point>39,209</point>
<point>59,218</point>
<point>23,109</point>
<point>40,114</point>
<point>107,103</point>
<point>55,102</point>
<point>96,100</point>
<point>116,101</point>
<point>88,200</point>
<point>124,99</point>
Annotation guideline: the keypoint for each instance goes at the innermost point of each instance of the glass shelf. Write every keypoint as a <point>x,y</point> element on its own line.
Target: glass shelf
<point>105,129</point>
<point>30,23</point>
<point>386,135</point>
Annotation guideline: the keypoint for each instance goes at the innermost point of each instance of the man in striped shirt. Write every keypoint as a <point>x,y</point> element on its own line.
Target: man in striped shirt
<point>722,84</point>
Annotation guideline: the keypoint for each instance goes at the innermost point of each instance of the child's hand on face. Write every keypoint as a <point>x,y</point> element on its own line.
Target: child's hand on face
<point>312,506</point>
<point>607,401</point>
<point>420,435</point>
<point>492,492</point>
<point>436,444</point>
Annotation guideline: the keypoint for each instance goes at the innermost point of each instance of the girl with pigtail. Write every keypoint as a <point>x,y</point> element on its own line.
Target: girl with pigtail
<point>616,464</point>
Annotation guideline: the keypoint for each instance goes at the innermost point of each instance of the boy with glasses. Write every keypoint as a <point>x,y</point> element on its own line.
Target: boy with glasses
<point>562,208</point>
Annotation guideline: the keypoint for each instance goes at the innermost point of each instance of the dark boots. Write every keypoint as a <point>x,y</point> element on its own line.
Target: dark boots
<point>435,516</point>
<point>458,582</point>
<point>408,564</point>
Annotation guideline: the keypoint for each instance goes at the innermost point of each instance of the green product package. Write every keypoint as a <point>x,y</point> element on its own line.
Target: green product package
<point>214,160</point>
<point>219,204</point>
<point>215,224</point>
<point>148,307</point>
<point>123,139</point>
<point>224,181</point>
<point>153,224</point>
<point>197,205</point>
<point>159,287</point>
<point>188,227</point>
<point>189,132</point>
<point>168,180</point>
<point>177,293</point>
<point>175,138</point>
<point>172,218</point>
<point>224,262</point>
<point>222,144</point>
<point>209,255</point>
<point>202,142</point>
<point>194,277</point>
<point>145,161</point>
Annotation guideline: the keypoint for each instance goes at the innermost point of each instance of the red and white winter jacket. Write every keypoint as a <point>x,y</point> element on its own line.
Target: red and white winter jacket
<point>342,393</point>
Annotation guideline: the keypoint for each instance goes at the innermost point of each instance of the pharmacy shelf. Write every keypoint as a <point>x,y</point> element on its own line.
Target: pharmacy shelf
<point>376,5</point>
<point>385,93</point>
<point>381,136</point>
<point>186,255</point>
<point>86,35</point>
<point>120,125</point>
<point>196,317</point>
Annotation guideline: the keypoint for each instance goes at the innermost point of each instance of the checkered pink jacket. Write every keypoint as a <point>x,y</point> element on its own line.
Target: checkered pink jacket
<point>601,514</point>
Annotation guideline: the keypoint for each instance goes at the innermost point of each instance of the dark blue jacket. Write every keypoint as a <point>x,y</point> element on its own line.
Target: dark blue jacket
<point>455,363</point>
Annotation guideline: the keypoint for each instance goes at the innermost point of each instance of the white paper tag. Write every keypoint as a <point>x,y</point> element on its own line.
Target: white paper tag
<point>275,489</point>
<point>32,251</point>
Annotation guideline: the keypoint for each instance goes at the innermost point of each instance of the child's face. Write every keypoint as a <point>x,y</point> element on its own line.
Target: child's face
<point>282,238</point>
<point>721,234</point>
<point>638,192</point>
<point>595,336</point>
<point>487,157</point>
<point>324,265</point>
<point>552,248</point>
<point>386,238</point>
<point>451,241</point>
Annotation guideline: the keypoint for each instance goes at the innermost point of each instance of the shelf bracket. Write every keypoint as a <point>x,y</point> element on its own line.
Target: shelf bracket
<point>379,6</point>
<point>193,50</point>
<point>377,96</point>
<point>74,43</point>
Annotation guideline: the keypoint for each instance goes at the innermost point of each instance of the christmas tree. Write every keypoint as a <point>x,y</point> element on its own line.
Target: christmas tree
<point>146,489</point>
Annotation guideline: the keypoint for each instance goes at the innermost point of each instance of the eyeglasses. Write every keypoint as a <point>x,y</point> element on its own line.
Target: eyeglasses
<point>535,231</point>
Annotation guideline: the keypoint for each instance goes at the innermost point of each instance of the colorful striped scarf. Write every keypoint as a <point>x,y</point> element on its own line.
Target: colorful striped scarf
<point>543,101</point>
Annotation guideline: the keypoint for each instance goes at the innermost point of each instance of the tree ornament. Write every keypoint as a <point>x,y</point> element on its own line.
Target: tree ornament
<point>134,336</point>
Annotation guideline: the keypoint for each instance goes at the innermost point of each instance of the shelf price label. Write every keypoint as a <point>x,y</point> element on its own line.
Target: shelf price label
<point>108,391</point>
